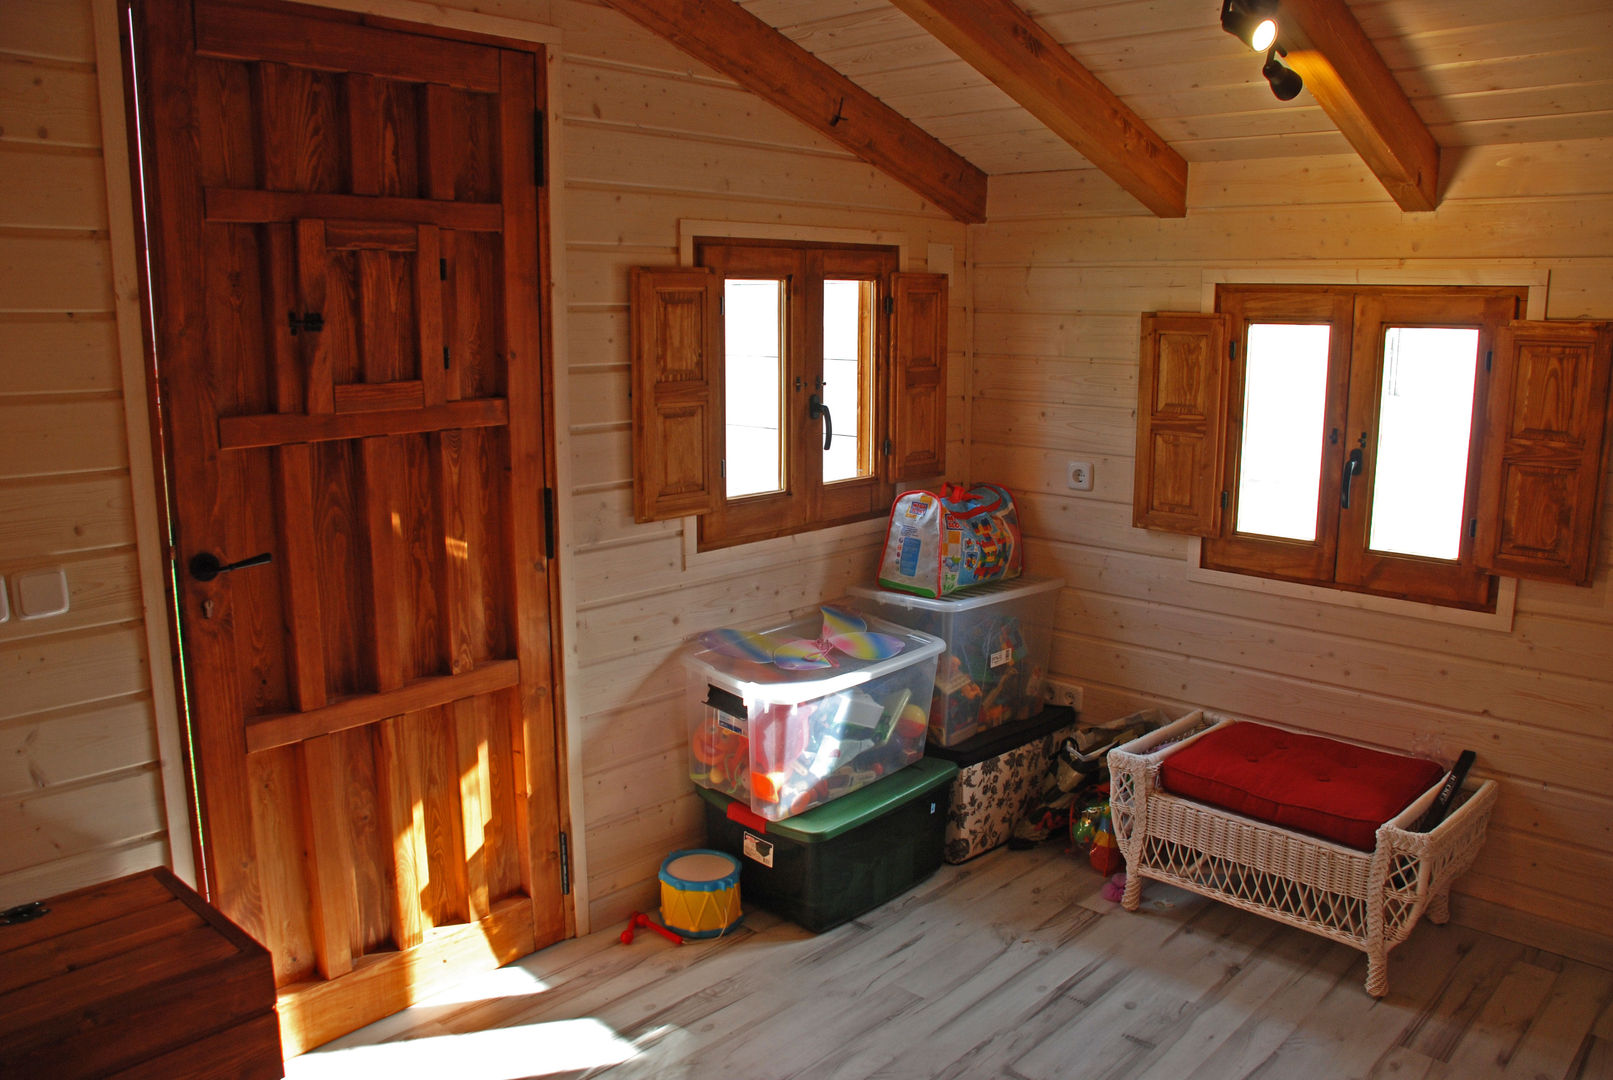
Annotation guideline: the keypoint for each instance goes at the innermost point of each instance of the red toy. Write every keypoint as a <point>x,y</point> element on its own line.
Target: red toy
<point>639,920</point>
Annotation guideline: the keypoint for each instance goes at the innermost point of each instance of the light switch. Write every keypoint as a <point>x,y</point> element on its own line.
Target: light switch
<point>41,593</point>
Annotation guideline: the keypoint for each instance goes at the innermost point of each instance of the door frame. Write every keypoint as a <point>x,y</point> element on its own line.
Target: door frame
<point>150,469</point>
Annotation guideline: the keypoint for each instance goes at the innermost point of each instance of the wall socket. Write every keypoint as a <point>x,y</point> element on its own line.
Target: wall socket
<point>1059,692</point>
<point>1080,476</point>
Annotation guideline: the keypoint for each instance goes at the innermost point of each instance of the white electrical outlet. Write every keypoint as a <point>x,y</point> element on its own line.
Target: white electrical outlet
<point>1059,692</point>
<point>1080,478</point>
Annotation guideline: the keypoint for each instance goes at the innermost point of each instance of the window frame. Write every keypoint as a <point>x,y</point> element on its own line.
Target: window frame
<point>1339,557</point>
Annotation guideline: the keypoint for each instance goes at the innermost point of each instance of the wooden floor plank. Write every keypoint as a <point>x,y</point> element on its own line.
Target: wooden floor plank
<point>1010,966</point>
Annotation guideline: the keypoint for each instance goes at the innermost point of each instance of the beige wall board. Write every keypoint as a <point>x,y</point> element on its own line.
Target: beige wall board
<point>1070,380</point>
<point>1409,18</point>
<point>606,517</point>
<point>51,825</point>
<point>1105,525</point>
<point>1575,761</point>
<point>51,673</point>
<point>51,190</point>
<point>61,516</point>
<point>48,29</point>
<point>652,727</point>
<point>48,103</point>
<point>1540,128</point>
<point>1552,702</point>
<point>1534,808</point>
<point>619,682</point>
<point>1579,290</point>
<point>610,573</point>
<point>59,353</point>
<point>40,272</point>
<point>600,394</point>
<point>598,32</point>
<point>1029,470</point>
<point>1059,334</point>
<point>70,745</point>
<point>597,337</point>
<point>1096,429</point>
<point>1097,286</point>
<point>616,158</point>
<point>45,438</point>
<point>103,588</point>
<point>1532,898</point>
<point>1070,193</point>
<point>78,871</point>
<point>623,840</point>
<point>1300,145</point>
<point>613,792</point>
<point>601,457</point>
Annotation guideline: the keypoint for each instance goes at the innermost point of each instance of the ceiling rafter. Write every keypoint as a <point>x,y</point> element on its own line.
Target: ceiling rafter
<point>1350,81</point>
<point>730,39</point>
<point>1011,49</point>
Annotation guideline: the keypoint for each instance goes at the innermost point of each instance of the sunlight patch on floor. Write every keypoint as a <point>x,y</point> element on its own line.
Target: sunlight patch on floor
<point>558,1046</point>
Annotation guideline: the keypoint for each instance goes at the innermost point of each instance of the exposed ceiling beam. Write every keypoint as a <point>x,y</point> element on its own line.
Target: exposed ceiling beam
<point>1012,50</point>
<point>1352,84</point>
<point>738,44</point>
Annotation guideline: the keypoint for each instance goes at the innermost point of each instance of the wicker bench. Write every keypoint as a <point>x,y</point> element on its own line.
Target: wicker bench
<point>1366,899</point>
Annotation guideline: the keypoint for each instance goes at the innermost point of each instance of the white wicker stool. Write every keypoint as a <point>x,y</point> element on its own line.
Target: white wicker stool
<point>1366,899</point>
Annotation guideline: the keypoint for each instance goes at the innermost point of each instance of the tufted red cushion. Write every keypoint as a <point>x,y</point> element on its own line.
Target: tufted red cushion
<point>1334,790</point>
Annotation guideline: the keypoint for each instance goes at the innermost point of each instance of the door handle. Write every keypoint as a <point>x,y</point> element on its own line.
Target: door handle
<point>205,566</point>
<point>1352,466</point>
<point>817,409</point>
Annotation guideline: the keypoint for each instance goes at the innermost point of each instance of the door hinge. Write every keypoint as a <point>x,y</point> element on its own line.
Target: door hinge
<point>548,523</point>
<point>1473,528</point>
<point>539,123</point>
<point>1232,350</point>
<point>442,269</point>
<point>885,447</point>
<point>309,322</point>
<point>1226,497</point>
<point>445,358</point>
<point>890,305</point>
<point>565,866</point>
<point>722,468</point>
<point>1489,359</point>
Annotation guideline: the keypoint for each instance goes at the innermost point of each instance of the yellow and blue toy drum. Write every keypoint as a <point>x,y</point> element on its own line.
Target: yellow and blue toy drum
<point>700,892</point>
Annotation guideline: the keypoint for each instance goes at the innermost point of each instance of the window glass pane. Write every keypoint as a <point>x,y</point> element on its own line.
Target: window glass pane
<point>847,375</point>
<point>1285,397</point>
<point>753,312</point>
<point>1425,423</point>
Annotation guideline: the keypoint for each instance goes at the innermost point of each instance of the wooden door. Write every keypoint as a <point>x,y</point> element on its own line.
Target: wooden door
<point>347,278</point>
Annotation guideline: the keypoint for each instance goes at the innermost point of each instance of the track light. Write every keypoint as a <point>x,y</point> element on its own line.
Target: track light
<point>1285,82</point>
<point>1254,22</point>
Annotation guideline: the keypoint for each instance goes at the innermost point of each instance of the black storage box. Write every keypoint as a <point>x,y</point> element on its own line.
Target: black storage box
<point>999,770</point>
<point>841,859</point>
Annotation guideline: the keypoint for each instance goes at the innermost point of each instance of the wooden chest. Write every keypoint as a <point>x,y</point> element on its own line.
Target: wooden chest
<point>135,977</point>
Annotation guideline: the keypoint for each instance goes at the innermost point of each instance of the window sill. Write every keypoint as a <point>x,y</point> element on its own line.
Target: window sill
<point>1500,620</point>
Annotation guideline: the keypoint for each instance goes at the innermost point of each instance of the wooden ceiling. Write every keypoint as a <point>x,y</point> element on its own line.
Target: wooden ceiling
<point>1476,72</point>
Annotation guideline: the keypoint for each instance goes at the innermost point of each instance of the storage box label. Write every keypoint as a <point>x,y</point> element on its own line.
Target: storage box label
<point>759,849</point>
<point>1001,657</point>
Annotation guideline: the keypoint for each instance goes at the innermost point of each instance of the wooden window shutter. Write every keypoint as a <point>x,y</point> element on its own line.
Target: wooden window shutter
<point>677,380</point>
<point>1181,422</point>
<point>1545,451</point>
<point>918,403</point>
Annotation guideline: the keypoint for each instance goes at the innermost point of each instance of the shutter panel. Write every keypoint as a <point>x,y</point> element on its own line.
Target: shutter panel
<point>1181,423</point>
<point>1545,451</point>
<point>677,379</point>
<point>918,409</point>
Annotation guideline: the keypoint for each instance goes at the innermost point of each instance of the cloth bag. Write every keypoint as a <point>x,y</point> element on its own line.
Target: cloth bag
<point>942,542</point>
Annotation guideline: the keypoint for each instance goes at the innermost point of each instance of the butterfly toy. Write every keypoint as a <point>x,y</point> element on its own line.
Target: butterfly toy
<point>843,632</point>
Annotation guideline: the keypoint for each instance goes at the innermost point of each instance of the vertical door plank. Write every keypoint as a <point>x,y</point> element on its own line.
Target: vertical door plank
<point>311,266</point>
<point>428,314</point>
<point>397,768</point>
<point>440,151</point>
<point>475,797</point>
<point>364,132</point>
<point>381,464</point>
<point>281,297</point>
<point>300,575</point>
<point>454,554</point>
<point>445,835</point>
<point>532,713</point>
<point>330,869</point>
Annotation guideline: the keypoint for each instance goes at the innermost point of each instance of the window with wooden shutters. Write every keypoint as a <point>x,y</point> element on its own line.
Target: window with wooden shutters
<point>783,387</point>
<point>1403,442</point>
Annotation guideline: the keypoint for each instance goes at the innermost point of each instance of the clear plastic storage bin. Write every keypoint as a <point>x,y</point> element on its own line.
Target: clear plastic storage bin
<point>782,740</point>
<point>998,641</point>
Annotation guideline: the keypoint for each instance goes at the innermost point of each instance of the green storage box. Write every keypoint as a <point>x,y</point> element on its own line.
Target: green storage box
<point>843,858</point>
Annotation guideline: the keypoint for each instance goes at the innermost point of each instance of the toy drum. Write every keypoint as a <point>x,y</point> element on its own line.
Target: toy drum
<point>700,892</point>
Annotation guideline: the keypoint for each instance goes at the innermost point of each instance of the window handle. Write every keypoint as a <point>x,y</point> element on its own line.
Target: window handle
<point>818,410</point>
<point>1352,466</point>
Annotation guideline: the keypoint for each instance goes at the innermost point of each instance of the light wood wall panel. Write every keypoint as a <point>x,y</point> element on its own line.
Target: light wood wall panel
<point>1063,271</point>
<point>81,797</point>
<point>651,137</point>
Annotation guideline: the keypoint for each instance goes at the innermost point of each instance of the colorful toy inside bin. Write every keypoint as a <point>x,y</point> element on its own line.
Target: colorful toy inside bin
<point>700,892</point>
<point>788,717</point>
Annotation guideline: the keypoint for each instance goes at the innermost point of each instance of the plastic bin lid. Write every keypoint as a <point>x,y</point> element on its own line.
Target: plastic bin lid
<point>996,741</point>
<point>841,815</point>
<point>993,592</point>
<point>752,679</point>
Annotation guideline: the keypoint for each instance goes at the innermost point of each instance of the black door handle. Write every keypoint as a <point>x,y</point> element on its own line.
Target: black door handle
<point>205,566</point>
<point>1352,466</point>
<point>816,409</point>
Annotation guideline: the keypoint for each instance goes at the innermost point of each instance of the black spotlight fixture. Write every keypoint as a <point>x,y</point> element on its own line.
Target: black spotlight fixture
<point>1285,81</point>
<point>1254,22</point>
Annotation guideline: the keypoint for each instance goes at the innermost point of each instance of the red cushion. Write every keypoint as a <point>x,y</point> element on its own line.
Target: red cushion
<point>1335,790</point>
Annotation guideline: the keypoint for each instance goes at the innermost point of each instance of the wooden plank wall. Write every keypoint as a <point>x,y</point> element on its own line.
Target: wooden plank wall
<point>650,136</point>
<point>81,795</point>
<point>1062,271</point>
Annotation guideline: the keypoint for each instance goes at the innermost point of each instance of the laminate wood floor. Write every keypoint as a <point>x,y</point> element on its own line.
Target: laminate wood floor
<point>1009,966</point>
